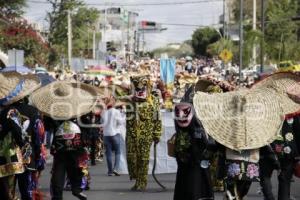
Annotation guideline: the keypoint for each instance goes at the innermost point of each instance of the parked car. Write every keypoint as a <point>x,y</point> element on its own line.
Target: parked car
<point>288,66</point>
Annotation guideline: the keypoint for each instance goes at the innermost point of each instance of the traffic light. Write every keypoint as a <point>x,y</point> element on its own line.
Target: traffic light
<point>146,24</point>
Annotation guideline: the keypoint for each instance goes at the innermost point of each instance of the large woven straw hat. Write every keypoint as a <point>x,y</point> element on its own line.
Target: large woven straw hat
<point>14,86</point>
<point>246,119</point>
<point>63,100</point>
<point>281,83</point>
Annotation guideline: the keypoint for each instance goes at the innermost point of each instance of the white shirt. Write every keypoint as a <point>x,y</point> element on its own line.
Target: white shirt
<point>112,121</point>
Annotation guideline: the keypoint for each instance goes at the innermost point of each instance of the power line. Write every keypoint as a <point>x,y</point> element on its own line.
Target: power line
<point>139,4</point>
<point>191,25</point>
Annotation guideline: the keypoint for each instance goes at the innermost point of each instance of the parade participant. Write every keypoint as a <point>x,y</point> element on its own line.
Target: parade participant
<point>193,180</point>
<point>241,169</point>
<point>83,165</point>
<point>204,177</point>
<point>88,132</point>
<point>35,135</point>
<point>281,156</point>
<point>143,127</point>
<point>64,102</point>
<point>91,131</point>
<point>14,149</point>
<point>68,151</point>
<point>244,121</point>
<point>211,85</point>
<point>94,134</point>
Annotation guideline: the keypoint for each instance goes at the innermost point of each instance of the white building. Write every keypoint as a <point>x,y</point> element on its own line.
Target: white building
<point>118,29</point>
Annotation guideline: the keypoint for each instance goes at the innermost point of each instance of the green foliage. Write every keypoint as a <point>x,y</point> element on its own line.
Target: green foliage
<point>252,38</point>
<point>217,47</point>
<point>281,31</point>
<point>9,8</point>
<point>83,21</point>
<point>183,51</point>
<point>83,25</point>
<point>202,38</point>
<point>281,34</point>
<point>248,10</point>
<point>20,35</point>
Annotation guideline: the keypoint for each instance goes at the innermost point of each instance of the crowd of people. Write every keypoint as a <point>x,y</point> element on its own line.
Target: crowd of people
<point>225,138</point>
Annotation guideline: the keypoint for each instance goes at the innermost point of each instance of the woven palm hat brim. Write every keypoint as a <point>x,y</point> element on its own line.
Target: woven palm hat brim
<point>246,119</point>
<point>63,100</point>
<point>15,86</point>
<point>281,82</point>
<point>203,83</point>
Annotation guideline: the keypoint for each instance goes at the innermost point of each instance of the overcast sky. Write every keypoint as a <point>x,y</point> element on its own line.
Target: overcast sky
<point>205,13</point>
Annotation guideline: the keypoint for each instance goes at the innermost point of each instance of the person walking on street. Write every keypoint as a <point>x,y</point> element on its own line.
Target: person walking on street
<point>111,123</point>
<point>68,149</point>
<point>91,131</point>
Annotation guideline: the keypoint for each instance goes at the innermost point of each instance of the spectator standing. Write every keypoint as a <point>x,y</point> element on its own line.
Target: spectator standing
<point>123,161</point>
<point>111,123</point>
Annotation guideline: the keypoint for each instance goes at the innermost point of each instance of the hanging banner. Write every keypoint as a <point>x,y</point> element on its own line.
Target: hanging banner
<point>167,70</point>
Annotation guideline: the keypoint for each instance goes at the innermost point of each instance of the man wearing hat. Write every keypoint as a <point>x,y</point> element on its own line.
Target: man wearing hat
<point>143,127</point>
<point>14,149</point>
<point>64,102</point>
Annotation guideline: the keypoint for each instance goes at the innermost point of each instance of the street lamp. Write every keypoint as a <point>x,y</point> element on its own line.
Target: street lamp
<point>241,39</point>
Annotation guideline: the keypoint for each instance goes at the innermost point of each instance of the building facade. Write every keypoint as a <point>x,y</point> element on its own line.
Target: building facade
<point>118,28</point>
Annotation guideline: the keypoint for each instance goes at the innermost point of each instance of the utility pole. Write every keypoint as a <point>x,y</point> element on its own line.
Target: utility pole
<point>69,38</point>
<point>224,19</point>
<point>254,28</point>
<point>263,36</point>
<point>94,43</point>
<point>138,43</point>
<point>241,39</point>
<point>15,58</point>
<point>144,42</point>
<point>128,47</point>
<point>135,40</point>
<point>104,34</point>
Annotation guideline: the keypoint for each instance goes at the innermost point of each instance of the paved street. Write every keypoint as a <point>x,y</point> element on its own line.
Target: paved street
<point>118,188</point>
